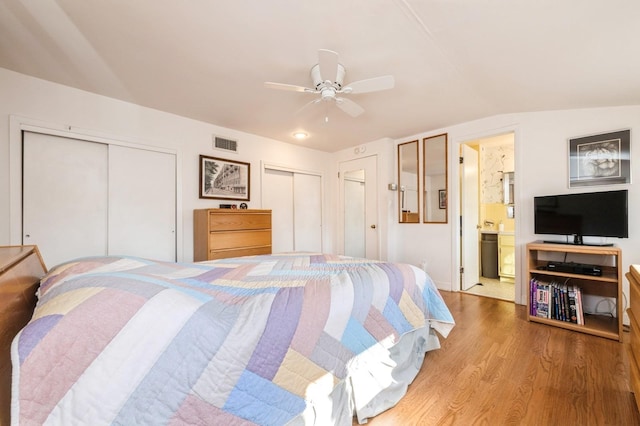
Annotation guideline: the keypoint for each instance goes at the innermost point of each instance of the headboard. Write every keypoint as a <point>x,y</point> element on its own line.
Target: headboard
<point>21,268</point>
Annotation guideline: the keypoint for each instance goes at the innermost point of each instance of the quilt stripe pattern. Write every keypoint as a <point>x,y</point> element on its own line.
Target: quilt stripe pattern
<point>254,340</point>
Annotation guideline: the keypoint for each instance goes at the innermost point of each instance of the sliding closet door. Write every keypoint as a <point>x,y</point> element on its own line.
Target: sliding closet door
<point>142,203</point>
<point>64,197</point>
<point>295,199</point>
<point>307,212</point>
<point>83,198</point>
<point>278,197</point>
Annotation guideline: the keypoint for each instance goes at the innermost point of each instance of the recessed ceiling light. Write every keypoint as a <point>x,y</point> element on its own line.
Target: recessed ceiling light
<point>300,135</point>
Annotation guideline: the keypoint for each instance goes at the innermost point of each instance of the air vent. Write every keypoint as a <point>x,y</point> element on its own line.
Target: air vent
<point>225,144</point>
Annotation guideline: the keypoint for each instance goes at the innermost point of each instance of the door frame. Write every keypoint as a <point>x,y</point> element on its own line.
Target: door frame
<point>375,188</point>
<point>18,124</point>
<point>520,284</point>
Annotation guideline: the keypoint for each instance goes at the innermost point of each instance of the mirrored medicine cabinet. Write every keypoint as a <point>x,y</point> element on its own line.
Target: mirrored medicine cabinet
<point>409,207</point>
<point>435,178</point>
<point>434,201</point>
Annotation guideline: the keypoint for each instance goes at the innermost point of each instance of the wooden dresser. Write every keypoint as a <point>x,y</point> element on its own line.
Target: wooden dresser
<point>21,268</point>
<point>223,233</point>
<point>634,341</point>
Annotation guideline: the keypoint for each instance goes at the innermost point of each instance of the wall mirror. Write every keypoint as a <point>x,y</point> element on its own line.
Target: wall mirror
<point>408,182</point>
<point>435,197</point>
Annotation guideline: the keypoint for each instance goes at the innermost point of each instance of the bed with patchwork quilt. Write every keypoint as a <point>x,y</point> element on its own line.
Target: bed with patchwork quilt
<point>269,340</point>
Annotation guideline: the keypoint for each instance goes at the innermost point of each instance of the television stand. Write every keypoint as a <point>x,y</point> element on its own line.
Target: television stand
<point>543,281</point>
<point>580,244</point>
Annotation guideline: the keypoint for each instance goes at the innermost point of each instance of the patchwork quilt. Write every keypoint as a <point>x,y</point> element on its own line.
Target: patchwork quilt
<point>252,340</point>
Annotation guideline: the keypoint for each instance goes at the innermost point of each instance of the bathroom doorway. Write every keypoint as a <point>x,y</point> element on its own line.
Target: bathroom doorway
<point>487,240</point>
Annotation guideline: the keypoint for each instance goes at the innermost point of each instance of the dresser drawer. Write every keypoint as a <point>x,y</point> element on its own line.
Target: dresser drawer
<point>252,251</point>
<point>237,239</point>
<point>634,337</point>
<point>634,288</point>
<point>634,379</point>
<point>234,220</point>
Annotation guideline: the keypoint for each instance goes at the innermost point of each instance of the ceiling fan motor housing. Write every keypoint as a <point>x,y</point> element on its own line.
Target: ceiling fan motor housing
<point>328,94</point>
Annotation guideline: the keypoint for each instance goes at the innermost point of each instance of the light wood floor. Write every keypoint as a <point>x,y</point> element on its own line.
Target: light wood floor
<point>495,368</point>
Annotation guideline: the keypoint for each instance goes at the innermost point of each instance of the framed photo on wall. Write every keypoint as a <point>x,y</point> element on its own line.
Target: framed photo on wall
<point>600,159</point>
<point>442,198</point>
<point>224,179</point>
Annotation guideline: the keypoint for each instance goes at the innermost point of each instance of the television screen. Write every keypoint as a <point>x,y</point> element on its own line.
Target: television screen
<point>597,214</point>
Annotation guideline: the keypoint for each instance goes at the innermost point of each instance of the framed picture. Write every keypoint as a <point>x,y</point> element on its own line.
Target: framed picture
<point>224,179</point>
<point>442,198</point>
<point>600,159</point>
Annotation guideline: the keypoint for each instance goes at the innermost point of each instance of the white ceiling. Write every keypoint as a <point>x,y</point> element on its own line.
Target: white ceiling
<point>453,60</point>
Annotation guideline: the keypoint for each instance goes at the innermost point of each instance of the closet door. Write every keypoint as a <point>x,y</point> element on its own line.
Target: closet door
<point>83,198</point>
<point>278,197</point>
<point>307,212</point>
<point>142,203</point>
<point>295,200</point>
<point>64,197</point>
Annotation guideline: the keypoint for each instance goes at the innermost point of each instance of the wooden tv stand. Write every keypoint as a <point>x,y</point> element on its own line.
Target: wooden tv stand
<point>609,284</point>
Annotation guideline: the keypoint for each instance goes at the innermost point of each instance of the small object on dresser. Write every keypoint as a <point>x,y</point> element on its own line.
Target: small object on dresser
<point>227,206</point>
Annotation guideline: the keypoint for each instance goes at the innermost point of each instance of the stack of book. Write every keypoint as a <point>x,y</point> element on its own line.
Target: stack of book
<point>556,301</point>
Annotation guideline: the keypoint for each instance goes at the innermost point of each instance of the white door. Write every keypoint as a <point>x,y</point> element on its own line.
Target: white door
<point>469,204</point>
<point>307,212</point>
<point>65,197</point>
<point>278,197</point>
<point>365,167</point>
<point>355,227</point>
<point>142,203</point>
<point>83,198</point>
<point>295,201</point>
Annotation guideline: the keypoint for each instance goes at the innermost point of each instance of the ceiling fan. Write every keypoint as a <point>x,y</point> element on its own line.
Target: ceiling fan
<point>328,82</point>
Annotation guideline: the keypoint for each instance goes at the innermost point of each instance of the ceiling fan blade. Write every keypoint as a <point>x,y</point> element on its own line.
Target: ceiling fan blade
<point>288,87</point>
<point>370,85</point>
<point>307,105</point>
<point>350,107</point>
<point>328,62</point>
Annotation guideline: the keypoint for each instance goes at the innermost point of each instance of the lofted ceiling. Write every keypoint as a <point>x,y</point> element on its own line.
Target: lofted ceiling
<point>453,60</point>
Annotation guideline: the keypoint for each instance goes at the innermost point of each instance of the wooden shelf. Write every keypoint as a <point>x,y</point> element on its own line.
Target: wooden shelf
<point>599,325</point>
<point>609,284</point>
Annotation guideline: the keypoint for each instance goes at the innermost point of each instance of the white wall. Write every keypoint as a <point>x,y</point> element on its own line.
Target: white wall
<point>59,105</point>
<point>541,164</point>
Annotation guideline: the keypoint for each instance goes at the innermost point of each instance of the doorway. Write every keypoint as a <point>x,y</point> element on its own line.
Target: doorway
<point>359,208</point>
<point>487,237</point>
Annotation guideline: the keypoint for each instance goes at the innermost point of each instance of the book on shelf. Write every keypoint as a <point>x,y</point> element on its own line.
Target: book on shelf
<point>558,301</point>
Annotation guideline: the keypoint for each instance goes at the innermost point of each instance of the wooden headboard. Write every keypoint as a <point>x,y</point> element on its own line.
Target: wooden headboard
<point>21,268</point>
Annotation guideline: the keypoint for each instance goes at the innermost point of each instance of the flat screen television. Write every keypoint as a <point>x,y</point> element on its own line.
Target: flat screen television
<point>594,214</point>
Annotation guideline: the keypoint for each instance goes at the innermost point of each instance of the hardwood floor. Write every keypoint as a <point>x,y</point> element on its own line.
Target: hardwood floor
<point>496,368</point>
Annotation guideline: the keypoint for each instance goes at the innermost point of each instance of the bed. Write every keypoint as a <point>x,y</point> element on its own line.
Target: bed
<point>271,340</point>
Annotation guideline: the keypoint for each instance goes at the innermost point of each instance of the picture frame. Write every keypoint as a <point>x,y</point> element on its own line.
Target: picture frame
<point>601,159</point>
<point>224,179</point>
<point>442,198</point>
